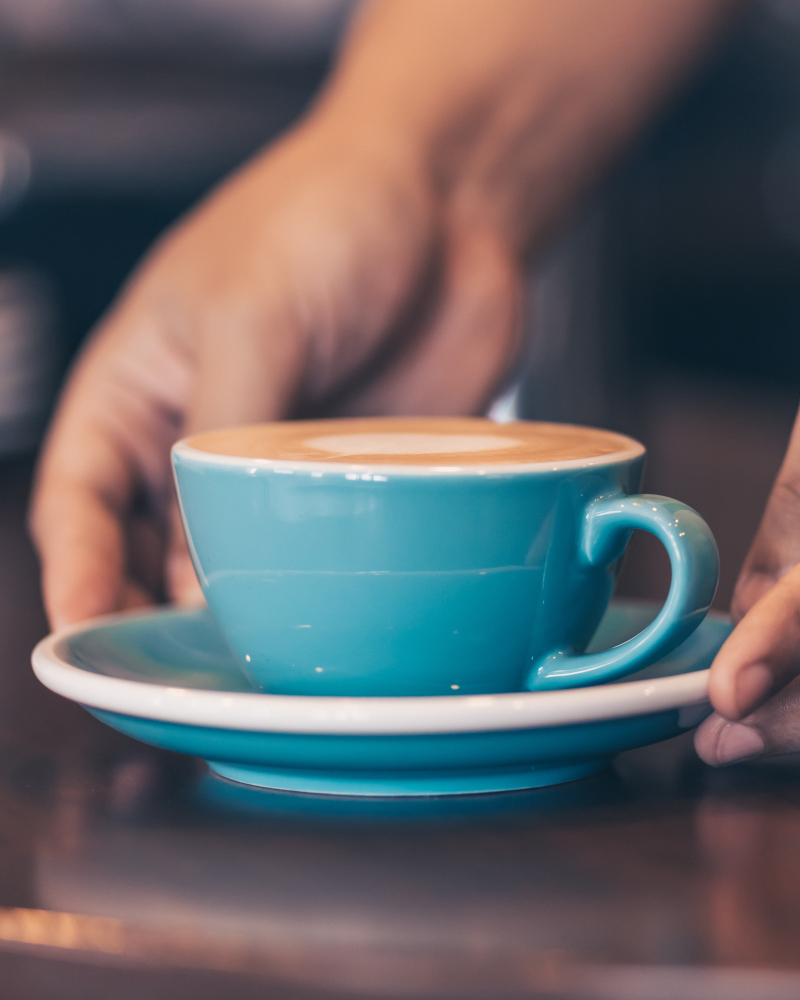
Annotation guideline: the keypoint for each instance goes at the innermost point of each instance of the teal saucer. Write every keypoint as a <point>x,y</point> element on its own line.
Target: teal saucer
<point>167,678</point>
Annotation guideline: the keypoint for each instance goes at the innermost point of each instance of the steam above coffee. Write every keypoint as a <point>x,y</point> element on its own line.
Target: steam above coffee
<point>417,441</point>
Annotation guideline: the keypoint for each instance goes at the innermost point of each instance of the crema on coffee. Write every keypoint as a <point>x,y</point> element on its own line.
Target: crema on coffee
<point>418,441</point>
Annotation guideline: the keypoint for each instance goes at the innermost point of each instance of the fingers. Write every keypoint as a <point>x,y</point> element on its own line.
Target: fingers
<point>262,303</point>
<point>752,681</point>
<point>771,730</point>
<point>81,538</point>
<point>100,551</point>
<point>247,374</point>
<point>74,518</point>
<point>331,262</point>
<point>466,344</point>
<point>183,586</point>
<point>81,549</point>
<point>762,654</point>
<point>233,315</point>
<point>754,684</point>
<point>718,741</point>
<point>776,547</point>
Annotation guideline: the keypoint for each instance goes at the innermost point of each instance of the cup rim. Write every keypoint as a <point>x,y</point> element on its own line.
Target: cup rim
<point>631,450</point>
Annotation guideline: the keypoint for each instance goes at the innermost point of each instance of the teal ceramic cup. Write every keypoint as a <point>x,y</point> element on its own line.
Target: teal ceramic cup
<point>372,580</point>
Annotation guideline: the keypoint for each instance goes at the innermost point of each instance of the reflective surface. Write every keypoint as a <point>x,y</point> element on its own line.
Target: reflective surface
<point>130,872</point>
<point>322,575</point>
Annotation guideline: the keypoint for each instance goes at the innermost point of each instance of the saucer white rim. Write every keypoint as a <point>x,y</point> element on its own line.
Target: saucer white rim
<point>634,449</point>
<point>254,712</point>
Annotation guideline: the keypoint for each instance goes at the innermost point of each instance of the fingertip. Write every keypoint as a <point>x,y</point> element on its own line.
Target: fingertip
<point>753,685</point>
<point>737,742</point>
<point>58,620</point>
<point>722,687</point>
<point>720,742</point>
<point>182,583</point>
<point>189,596</point>
<point>81,552</point>
<point>706,736</point>
<point>135,597</point>
<point>80,597</point>
<point>737,690</point>
<point>760,656</point>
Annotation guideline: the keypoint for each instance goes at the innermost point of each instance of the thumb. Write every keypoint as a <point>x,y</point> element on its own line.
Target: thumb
<point>762,654</point>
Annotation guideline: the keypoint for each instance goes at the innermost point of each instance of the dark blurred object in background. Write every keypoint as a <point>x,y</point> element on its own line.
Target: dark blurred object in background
<point>672,309</point>
<point>29,357</point>
<point>114,119</point>
<point>118,150</point>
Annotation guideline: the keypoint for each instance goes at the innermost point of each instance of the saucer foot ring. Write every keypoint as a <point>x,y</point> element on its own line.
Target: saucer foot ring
<point>399,785</point>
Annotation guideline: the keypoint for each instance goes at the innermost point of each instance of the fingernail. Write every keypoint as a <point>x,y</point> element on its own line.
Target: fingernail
<point>737,742</point>
<point>753,685</point>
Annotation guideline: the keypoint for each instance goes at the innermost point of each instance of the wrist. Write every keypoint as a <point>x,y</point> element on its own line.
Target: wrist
<point>508,109</point>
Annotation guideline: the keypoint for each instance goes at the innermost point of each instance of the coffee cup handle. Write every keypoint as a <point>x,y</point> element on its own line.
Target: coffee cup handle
<point>694,558</point>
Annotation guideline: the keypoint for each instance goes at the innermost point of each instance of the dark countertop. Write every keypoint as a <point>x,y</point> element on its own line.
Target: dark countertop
<point>128,872</point>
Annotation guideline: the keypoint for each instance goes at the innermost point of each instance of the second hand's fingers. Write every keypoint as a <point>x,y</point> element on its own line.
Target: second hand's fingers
<point>771,730</point>
<point>776,547</point>
<point>762,654</point>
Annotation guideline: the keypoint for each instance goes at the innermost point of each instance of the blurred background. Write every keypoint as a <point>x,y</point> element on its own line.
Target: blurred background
<point>114,118</point>
<point>670,309</point>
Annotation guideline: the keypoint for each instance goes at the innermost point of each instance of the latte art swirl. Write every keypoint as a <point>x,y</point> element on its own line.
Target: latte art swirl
<point>417,441</point>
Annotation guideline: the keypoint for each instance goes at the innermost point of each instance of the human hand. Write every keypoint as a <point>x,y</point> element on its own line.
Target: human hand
<point>368,263</point>
<point>754,683</point>
<point>314,282</point>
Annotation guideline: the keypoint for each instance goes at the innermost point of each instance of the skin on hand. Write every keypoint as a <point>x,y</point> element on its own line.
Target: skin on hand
<point>309,284</point>
<point>236,320</point>
<point>369,262</point>
<point>754,683</point>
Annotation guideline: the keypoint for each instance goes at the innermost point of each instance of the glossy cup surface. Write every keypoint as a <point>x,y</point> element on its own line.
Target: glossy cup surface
<point>335,580</point>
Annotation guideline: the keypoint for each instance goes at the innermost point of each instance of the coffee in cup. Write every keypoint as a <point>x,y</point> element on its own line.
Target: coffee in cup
<point>424,441</point>
<point>428,556</point>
